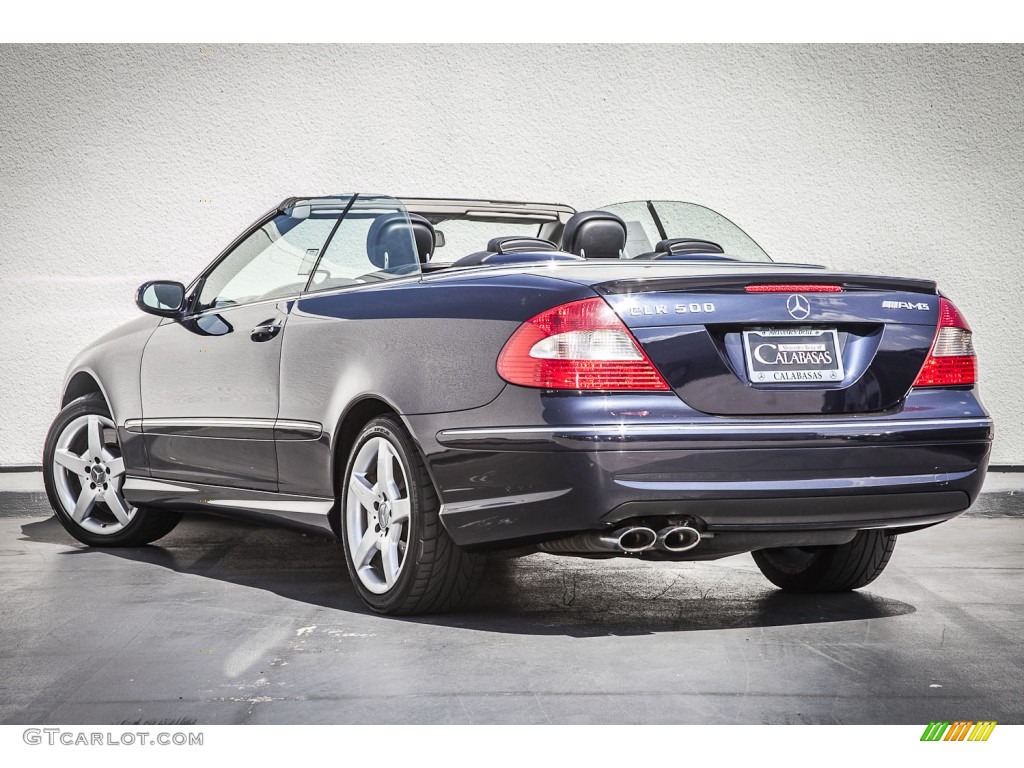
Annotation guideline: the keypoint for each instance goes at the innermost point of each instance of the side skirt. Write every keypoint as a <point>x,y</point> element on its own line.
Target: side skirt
<point>306,513</point>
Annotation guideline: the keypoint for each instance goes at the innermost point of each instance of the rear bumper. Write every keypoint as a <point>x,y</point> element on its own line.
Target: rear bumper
<point>508,485</point>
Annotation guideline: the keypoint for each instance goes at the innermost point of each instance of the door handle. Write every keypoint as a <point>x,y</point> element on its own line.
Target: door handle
<point>266,331</point>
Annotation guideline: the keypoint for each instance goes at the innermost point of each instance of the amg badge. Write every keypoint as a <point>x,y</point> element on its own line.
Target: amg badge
<point>924,306</point>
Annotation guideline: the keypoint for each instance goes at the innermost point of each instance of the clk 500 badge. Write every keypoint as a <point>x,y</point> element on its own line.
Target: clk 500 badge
<point>679,309</point>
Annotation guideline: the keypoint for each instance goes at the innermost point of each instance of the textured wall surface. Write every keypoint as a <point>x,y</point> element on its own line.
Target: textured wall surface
<point>122,163</point>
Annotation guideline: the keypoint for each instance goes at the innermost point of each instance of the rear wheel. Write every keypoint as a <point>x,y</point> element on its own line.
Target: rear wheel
<point>399,556</point>
<point>83,472</point>
<point>828,569</point>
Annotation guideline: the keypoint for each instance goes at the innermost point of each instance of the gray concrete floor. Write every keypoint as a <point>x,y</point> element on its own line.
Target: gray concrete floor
<point>224,622</point>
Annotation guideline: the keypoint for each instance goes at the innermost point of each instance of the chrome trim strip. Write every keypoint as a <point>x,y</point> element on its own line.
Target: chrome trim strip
<point>836,483</point>
<point>307,430</point>
<point>204,422</point>
<point>611,431</point>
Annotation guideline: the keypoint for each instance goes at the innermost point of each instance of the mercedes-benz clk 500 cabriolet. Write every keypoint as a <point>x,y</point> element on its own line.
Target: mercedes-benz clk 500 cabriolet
<point>432,380</point>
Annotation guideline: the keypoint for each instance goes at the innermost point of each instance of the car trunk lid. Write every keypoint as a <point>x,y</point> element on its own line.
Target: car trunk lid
<point>792,342</point>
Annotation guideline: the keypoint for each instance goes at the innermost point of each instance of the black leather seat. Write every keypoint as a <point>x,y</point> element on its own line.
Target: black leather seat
<point>595,235</point>
<point>390,244</point>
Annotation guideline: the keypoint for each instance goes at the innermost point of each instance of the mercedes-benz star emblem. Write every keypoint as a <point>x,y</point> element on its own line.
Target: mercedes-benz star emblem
<point>798,307</point>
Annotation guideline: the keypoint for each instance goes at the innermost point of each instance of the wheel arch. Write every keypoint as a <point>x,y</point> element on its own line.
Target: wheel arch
<point>82,383</point>
<point>359,413</point>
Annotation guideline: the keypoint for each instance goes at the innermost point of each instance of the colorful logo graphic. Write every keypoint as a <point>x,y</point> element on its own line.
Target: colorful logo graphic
<point>959,730</point>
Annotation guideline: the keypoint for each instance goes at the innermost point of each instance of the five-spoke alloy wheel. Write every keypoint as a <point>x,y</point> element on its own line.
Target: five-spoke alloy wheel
<point>84,471</point>
<point>88,482</point>
<point>399,556</point>
<point>377,508</point>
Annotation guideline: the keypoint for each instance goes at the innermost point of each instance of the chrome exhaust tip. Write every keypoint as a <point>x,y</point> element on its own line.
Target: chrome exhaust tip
<point>635,538</point>
<point>629,540</point>
<point>678,538</point>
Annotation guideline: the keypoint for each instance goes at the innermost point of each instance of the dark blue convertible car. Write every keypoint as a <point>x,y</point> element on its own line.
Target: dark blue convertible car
<point>431,380</point>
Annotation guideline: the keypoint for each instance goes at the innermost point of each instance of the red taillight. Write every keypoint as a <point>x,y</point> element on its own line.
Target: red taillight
<point>794,288</point>
<point>951,361</point>
<point>580,345</point>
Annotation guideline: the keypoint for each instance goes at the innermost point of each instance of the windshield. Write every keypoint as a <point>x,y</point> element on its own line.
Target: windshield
<point>650,222</point>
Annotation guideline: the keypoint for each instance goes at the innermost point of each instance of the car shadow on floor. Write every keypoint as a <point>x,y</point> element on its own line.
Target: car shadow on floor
<point>534,595</point>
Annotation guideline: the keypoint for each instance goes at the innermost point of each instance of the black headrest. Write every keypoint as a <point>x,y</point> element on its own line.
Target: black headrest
<point>595,235</point>
<point>513,244</point>
<point>389,242</point>
<point>426,238</point>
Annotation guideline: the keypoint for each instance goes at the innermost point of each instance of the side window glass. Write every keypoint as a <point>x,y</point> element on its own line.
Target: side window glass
<point>373,242</point>
<point>274,261</point>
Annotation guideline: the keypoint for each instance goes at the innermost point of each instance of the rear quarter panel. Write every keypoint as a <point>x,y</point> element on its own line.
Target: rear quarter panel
<point>422,346</point>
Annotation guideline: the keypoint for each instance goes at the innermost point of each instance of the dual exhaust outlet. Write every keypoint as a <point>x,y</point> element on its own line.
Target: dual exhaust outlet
<point>631,539</point>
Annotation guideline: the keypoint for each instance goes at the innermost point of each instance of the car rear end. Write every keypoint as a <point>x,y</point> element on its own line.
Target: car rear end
<point>742,408</point>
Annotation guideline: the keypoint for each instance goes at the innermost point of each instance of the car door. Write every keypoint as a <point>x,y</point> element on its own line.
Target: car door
<point>211,380</point>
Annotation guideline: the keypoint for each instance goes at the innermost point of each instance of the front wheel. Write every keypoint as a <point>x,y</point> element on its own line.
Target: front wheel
<point>83,472</point>
<point>828,569</point>
<point>398,554</point>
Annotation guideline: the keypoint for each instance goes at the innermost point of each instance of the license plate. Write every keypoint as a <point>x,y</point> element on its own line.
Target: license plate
<point>792,355</point>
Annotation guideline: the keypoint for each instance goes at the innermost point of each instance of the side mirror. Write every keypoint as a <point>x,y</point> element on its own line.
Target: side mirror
<point>164,298</point>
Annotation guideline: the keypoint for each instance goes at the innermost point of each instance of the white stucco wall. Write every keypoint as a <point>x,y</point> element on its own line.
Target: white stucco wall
<point>119,164</point>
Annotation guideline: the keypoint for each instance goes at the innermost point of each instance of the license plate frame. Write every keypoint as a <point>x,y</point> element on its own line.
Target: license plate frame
<point>804,352</point>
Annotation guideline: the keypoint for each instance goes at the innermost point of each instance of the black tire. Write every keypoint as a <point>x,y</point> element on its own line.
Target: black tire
<point>828,569</point>
<point>146,525</point>
<point>436,575</point>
